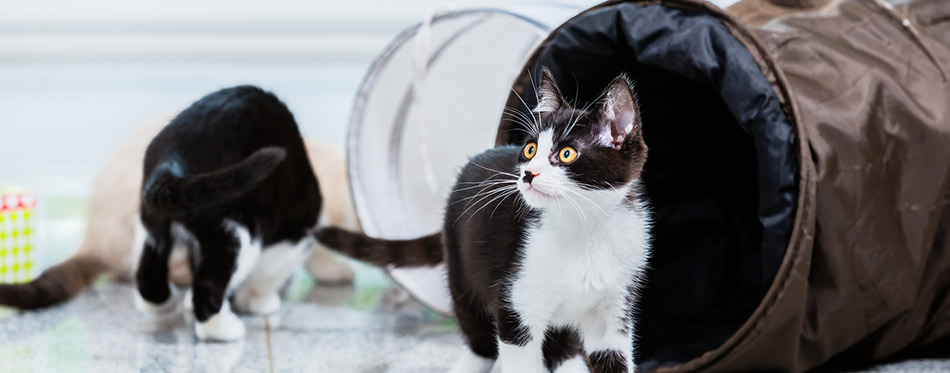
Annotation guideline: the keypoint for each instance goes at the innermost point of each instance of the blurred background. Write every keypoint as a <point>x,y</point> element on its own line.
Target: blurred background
<point>77,78</point>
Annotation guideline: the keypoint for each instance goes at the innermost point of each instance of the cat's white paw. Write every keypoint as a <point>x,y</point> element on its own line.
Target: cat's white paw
<point>251,301</point>
<point>573,365</point>
<point>157,309</point>
<point>224,327</point>
<point>330,270</point>
<point>471,363</point>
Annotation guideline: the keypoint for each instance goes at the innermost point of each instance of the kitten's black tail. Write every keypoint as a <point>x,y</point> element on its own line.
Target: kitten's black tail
<point>57,284</point>
<point>422,251</point>
<point>173,195</point>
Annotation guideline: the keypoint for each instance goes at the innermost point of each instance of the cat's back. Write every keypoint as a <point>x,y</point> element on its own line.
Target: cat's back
<point>224,127</point>
<point>211,162</point>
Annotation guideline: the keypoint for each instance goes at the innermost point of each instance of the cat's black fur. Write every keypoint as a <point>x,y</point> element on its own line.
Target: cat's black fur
<point>483,239</point>
<point>234,155</point>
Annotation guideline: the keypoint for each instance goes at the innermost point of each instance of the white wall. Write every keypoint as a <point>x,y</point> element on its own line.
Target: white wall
<point>76,77</point>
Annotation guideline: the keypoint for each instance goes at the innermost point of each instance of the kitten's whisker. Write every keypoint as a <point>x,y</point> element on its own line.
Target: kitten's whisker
<point>475,203</point>
<point>523,208</point>
<point>491,169</point>
<point>573,105</point>
<point>537,124</point>
<point>480,192</point>
<point>590,201</point>
<point>518,121</point>
<point>534,87</point>
<point>517,113</point>
<point>520,129</point>
<point>561,187</point>
<point>471,215</point>
<point>537,96</point>
<point>493,177</point>
<point>525,121</point>
<point>612,187</point>
<point>479,202</point>
<point>500,184</point>
<point>497,205</point>
<point>491,180</point>
<point>486,182</point>
<point>490,188</point>
<point>576,206</point>
<point>599,97</point>
<point>584,110</point>
<point>585,219</point>
<point>502,196</point>
<point>586,223</point>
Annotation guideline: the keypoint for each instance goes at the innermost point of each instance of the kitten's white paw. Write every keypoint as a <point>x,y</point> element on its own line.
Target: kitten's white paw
<point>573,365</point>
<point>330,270</point>
<point>251,301</point>
<point>166,308</point>
<point>471,363</point>
<point>224,327</point>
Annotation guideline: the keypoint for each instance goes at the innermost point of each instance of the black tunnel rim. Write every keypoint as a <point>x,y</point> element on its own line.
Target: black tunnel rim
<point>803,204</point>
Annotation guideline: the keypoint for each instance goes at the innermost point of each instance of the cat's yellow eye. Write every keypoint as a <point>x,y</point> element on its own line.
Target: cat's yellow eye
<point>567,154</point>
<point>530,150</point>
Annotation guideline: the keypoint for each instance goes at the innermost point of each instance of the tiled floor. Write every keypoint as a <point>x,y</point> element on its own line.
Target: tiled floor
<point>328,329</point>
<point>367,328</point>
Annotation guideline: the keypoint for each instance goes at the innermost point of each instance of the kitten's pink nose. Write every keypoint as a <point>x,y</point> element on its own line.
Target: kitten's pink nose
<point>528,176</point>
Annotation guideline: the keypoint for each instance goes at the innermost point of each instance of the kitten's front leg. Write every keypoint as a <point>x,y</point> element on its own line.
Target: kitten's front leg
<point>608,340</point>
<point>520,341</point>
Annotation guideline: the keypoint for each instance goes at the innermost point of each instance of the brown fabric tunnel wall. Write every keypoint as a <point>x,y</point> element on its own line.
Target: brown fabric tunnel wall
<point>799,173</point>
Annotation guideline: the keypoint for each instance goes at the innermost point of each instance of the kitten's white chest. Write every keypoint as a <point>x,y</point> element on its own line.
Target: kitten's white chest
<point>568,270</point>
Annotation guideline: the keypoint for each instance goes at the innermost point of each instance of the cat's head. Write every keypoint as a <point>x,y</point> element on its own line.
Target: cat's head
<point>576,157</point>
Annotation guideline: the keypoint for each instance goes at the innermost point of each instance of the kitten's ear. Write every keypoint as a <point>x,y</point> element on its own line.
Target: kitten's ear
<point>549,97</point>
<point>618,113</point>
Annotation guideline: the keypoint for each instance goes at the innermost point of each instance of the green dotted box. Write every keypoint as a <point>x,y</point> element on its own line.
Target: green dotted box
<point>16,261</point>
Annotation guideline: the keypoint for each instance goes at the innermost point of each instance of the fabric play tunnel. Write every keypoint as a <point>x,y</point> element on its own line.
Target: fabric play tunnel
<point>799,172</point>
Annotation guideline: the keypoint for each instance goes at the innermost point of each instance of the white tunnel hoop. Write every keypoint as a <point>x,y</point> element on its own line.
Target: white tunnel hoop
<point>379,194</point>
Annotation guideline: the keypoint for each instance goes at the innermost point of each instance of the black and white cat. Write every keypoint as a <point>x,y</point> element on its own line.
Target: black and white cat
<point>229,179</point>
<point>545,242</point>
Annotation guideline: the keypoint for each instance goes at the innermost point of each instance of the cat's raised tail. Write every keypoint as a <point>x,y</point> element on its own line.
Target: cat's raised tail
<point>169,193</point>
<point>417,252</point>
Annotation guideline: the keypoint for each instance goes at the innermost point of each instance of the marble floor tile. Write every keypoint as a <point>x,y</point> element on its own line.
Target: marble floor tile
<point>370,327</point>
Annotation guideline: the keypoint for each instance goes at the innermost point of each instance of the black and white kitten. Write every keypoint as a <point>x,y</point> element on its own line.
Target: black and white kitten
<point>544,242</point>
<point>228,178</point>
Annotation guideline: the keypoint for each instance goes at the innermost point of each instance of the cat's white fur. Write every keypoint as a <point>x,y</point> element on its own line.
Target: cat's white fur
<point>258,293</point>
<point>471,363</point>
<point>223,326</point>
<point>580,260</point>
<point>258,276</point>
<point>573,365</point>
